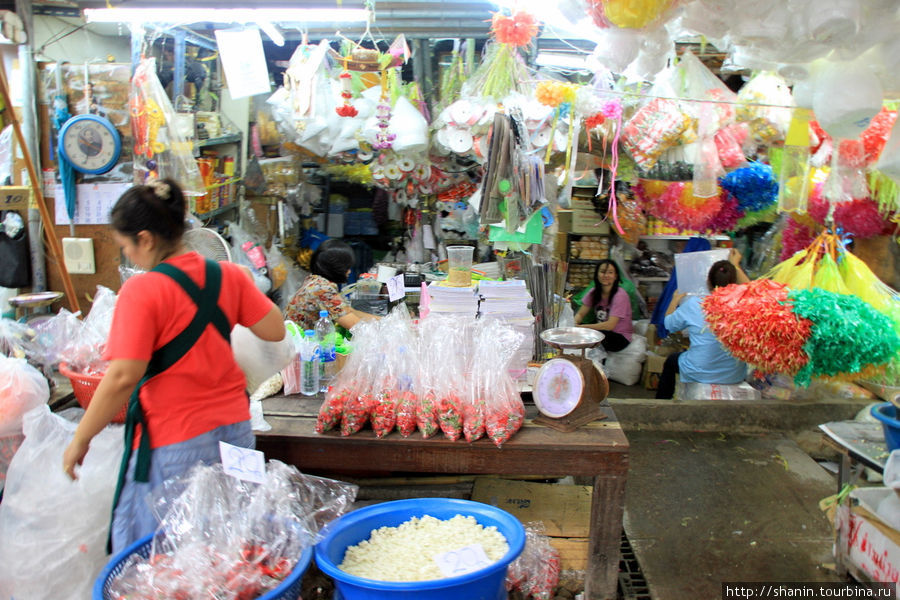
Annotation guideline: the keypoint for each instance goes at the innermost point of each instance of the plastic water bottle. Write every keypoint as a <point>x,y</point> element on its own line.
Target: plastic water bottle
<point>325,336</point>
<point>309,364</point>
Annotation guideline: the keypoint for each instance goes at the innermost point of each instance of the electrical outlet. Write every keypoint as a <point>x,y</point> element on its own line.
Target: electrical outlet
<point>78,254</point>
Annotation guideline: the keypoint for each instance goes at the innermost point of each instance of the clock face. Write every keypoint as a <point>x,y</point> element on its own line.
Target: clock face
<point>558,387</point>
<point>90,143</point>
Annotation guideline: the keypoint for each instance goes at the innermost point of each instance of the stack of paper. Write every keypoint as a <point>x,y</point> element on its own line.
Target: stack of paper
<point>449,299</point>
<point>509,300</point>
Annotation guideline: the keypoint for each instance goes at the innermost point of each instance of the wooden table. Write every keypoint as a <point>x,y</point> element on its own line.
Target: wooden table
<point>598,450</point>
<point>859,443</point>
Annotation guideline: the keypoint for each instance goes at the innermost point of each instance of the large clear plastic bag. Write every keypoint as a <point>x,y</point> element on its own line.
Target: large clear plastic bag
<point>258,358</point>
<point>161,150</point>
<point>22,388</point>
<point>53,530</point>
<point>231,539</point>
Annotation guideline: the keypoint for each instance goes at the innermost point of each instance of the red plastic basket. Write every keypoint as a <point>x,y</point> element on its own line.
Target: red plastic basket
<point>84,387</point>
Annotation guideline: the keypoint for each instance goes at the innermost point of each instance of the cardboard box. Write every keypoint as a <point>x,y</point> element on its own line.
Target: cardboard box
<point>564,220</point>
<point>653,367</point>
<point>863,542</point>
<point>565,511</point>
<point>15,198</point>
<point>589,222</point>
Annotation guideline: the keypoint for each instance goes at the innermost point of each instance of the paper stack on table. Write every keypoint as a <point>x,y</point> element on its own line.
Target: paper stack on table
<point>445,299</point>
<point>509,300</point>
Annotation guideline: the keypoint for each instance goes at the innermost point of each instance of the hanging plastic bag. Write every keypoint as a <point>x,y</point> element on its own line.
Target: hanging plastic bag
<point>161,150</point>
<point>257,358</point>
<point>22,388</point>
<point>53,530</point>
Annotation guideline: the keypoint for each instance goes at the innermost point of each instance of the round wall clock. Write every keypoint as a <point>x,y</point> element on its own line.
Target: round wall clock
<point>90,144</point>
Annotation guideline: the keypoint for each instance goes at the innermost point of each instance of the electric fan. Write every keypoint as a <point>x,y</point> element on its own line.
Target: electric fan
<point>207,243</point>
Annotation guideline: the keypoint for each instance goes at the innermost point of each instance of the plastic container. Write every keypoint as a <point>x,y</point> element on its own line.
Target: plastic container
<point>84,386</point>
<point>289,589</point>
<point>692,270</point>
<point>484,584</point>
<point>887,414</point>
<point>459,259</point>
<point>325,338</point>
<point>309,364</point>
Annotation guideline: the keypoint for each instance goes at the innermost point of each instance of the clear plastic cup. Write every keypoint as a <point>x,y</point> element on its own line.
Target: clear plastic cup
<point>459,262</point>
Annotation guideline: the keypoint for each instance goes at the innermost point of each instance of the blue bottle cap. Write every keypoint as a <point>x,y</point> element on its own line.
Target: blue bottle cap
<point>323,313</point>
<point>310,333</point>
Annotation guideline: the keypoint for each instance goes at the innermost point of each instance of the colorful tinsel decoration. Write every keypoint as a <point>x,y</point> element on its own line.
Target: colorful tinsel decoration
<point>516,30</point>
<point>675,203</point>
<point>859,217</point>
<point>755,187</point>
<point>795,237</point>
<point>346,109</point>
<point>755,217</point>
<point>728,216</point>
<point>847,335</point>
<point>555,93</point>
<point>755,323</point>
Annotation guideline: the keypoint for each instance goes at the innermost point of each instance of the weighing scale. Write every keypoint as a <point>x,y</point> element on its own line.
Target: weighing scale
<point>23,303</point>
<point>568,389</point>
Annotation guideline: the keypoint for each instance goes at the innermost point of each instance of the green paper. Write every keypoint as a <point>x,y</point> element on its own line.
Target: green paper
<point>847,334</point>
<point>534,231</point>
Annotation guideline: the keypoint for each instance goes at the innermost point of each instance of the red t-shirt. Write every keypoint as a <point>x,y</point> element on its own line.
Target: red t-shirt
<point>205,389</point>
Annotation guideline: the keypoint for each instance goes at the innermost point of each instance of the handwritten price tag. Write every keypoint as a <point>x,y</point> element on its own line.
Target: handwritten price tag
<point>243,463</point>
<point>462,561</point>
<point>396,289</point>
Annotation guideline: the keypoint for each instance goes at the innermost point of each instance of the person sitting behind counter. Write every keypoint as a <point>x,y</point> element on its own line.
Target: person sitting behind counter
<point>706,361</point>
<point>330,266</point>
<point>611,305</point>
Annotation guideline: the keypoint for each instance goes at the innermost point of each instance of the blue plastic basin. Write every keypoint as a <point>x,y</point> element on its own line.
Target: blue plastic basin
<point>289,589</point>
<point>887,414</point>
<point>484,584</point>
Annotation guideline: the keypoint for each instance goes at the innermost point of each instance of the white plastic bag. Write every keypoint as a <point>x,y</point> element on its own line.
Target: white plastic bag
<point>22,388</point>
<point>258,358</point>
<point>626,366</point>
<point>53,530</point>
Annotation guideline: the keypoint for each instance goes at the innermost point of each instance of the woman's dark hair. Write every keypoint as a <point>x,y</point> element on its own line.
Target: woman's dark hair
<point>722,273</point>
<point>157,207</point>
<point>332,259</point>
<point>598,290</point>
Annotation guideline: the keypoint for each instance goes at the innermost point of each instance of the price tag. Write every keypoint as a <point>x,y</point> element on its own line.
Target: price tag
<point>462,561</point>
<point>243,463</point>
<point>396,289</point>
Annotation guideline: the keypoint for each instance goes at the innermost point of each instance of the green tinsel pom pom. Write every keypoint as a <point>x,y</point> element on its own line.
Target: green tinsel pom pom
<point>755,217</point>
<point>847,334</point>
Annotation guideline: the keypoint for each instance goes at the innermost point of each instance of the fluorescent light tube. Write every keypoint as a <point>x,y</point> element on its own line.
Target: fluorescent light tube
<point>272,32</point>
<point>225,15</point>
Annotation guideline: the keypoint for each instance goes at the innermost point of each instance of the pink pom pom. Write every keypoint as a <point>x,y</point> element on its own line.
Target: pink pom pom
<point>795,237</point>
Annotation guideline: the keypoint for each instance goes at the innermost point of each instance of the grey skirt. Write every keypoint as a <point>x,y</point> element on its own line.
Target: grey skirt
<point>134,518</point>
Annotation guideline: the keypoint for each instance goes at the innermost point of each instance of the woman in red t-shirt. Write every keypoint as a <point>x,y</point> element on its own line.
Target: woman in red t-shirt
<point>189,390</point>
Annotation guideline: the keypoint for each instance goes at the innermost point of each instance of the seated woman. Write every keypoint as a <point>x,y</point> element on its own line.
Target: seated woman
<point>611,306</point>
<point>706,361</point>
<point>329,266</point>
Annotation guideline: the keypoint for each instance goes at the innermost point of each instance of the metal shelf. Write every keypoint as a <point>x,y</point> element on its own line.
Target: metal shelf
<point>718,238</point>
<point>218,211</point>
<point>231,138</point>
<point>585,261</point>
<point>637,278</point>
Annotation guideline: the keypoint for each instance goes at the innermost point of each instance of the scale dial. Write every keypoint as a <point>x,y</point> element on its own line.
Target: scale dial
<point>90,144</point>
<point>558,388</point>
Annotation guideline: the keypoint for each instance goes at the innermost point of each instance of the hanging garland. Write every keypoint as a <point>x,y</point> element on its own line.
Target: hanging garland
<point>675,203</point>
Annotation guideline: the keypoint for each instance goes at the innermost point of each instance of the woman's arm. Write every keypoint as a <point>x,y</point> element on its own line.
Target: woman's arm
<point>353,316</point>
<point>111,395</point>
<point>677,297</point>
<point>582,313</point>
<point>607,325</point>
<point>271,327</point>
<point>734,257</point>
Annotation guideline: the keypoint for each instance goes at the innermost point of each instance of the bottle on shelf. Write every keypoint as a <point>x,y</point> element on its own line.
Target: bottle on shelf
<point>325,336</point>
<point>309,364</point>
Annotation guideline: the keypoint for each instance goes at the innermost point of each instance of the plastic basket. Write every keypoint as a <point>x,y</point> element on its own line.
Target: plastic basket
<point>487,583</point>
<point>289,589</point>
<point>84,387</point>
<point>887,414</point>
